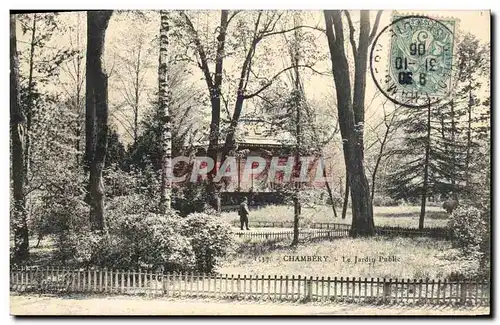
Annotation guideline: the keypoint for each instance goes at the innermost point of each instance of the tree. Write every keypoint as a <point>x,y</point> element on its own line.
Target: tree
<point>17,133</point>
<point>298,98</point>
<point>444,134</point>
<point>389,125</point>
<point>428,159</point>
<point>132,51</point>
<point>472,65</point>
<point>96,126</point>
<point>75,68</point>
<point>186,105</point>
<point>47,168</point>
<point>250,34</point>
<point>214,84</point>
<point>351,109</point>
<point>165,131</point>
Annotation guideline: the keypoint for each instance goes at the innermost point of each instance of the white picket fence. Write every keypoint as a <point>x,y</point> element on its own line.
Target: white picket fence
<point>276,288</point>
<point>288,234</point>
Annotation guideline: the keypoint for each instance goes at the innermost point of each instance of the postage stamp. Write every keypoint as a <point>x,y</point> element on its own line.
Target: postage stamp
<point>418,68</point>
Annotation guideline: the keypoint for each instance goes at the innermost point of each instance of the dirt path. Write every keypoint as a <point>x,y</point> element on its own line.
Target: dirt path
<point>125,305</point>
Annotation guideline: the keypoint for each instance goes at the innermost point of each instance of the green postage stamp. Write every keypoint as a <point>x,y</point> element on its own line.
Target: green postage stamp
<point>420,63</point>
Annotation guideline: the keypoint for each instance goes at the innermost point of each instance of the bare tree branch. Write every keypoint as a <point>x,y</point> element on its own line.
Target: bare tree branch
<point>351,34</point>
<point>201,52</point>
<point>275,77</point>
<point>234,13</point>
<point>375,27</point>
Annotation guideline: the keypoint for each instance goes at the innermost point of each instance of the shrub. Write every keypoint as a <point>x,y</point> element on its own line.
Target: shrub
<point>120,183</point>
<point>144,240</point>
<point>316,196</point>
<point>211,240</point>
<point>384,201</point>
<point>134,203</point>
<point>471,234</point>
<point>63,213</point>
<point>190,198</point>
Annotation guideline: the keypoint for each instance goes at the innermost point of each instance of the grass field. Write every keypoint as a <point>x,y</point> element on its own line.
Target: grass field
<point>409,258</point>
<point>403,216</point>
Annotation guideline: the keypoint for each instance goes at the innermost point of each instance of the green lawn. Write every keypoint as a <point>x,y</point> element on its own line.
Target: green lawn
<point>403,216</point>
<point>414,258</point>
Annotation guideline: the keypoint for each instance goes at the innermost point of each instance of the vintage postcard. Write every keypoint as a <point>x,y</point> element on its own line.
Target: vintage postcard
<point>250,162</point>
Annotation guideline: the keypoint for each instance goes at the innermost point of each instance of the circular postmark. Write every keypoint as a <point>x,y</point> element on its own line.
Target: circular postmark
<point>416,71</point>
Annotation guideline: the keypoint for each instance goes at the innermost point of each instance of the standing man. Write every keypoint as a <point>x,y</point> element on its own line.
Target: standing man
<point>243,213</point>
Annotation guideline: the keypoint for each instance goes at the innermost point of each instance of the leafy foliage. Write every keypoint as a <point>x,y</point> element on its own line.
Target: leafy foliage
<point>190,198</point>
<point>455,135</point>
<point>143,240</point>
<point>471,234</point>
<point>211,240</point>
<point>445,166</point>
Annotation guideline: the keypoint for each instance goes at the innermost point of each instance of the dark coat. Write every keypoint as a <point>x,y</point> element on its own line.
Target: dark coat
<point>450,205</point>
<point>243,211</point>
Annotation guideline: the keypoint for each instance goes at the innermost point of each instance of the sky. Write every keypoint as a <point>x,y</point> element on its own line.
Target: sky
<point>318,88</point>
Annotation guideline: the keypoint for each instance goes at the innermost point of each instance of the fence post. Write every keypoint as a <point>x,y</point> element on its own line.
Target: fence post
<point>354,288</point>
<point>192,283</point>
<point>438,290</point>
<point>179,281</point>
<point>420,290</point>
<point>309,289</point>
<point>250,286</point>
<point>298,288</point>
<point>30,278</point>
<point>463,292</point>
<point>328,288</point>
<point>378,289</point>
<point>275,286</point>
<point>286,287</point>
<point>232,285</point>
<point>238,286</point>
<point>95,280</point>
<point>89,279</point>
<point>281,286</point>
<point>101,274</point>
<point>203,283</point>
<point>477,292</point>
<point>432,291</point>
<point>485,290</point>
<point>426,289</point>
<point>244,286</point>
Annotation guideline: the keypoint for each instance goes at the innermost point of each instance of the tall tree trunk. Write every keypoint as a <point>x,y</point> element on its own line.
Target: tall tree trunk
<point>330,194</point>
<point>165,129</point>
<point>96,113</point>
<point>360,188</point>
<point>469,139</point>
<point>137,97</point>
<point>296,197</point>
<point>214,87</point>
<point>230,137</point>
<point>345,202</point>
<point>29,104</point>
<point>379,158</point>
<point>374,173</point>
<point>453,153</point>
<point>17,132</point>
<point>351,116</point>
<point>426,170</point>
<point>298,132</point>
<point>78,93</point>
